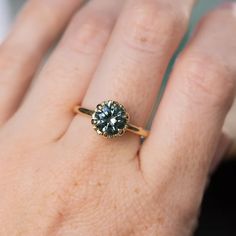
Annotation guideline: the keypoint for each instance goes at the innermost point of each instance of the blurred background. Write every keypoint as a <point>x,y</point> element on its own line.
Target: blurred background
<point>218,215</point>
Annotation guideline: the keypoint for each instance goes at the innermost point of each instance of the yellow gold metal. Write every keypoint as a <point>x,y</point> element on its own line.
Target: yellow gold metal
<point>131,128</point>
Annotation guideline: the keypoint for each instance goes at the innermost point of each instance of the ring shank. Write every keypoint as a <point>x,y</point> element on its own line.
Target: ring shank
<point>131,128</point>
<point>82,110</point>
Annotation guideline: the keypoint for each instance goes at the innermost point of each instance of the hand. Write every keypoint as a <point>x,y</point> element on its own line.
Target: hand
<point>57,176</point>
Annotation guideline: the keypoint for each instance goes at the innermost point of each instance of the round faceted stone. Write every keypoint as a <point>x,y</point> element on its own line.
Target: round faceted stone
<point>110,119</point>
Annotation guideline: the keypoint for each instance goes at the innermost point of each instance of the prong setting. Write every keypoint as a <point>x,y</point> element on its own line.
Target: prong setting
<point>110,119</point>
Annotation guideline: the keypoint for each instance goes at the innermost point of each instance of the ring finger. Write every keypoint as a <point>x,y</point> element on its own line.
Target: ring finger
<point>134,62</point>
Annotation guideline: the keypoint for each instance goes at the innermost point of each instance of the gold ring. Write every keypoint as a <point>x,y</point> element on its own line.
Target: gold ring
<point>111,119</point>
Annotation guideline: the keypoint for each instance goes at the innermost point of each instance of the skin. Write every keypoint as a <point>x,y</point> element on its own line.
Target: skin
<point>57,176</point>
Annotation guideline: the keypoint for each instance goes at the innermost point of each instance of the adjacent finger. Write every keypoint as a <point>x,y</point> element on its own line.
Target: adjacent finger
<point>38,24</point>
<point>64,79</point>
<point>188,124</point>
<point>131,70</point>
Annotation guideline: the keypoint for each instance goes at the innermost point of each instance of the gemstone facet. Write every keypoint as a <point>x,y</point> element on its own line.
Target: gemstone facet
<point>110,119</point>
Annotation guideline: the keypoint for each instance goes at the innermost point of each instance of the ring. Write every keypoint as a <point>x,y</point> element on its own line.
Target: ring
<point>111,119</point>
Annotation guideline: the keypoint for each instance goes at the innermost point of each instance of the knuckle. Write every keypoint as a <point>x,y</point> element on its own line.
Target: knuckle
<point>89,33</point>
<point>151,25</point>
<point>208,79</point>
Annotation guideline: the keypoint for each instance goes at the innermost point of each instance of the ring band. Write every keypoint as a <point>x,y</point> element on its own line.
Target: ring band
<point>111,119</point>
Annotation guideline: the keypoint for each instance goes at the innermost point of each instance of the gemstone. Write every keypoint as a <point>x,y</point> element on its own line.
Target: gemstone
<point>110,119</point>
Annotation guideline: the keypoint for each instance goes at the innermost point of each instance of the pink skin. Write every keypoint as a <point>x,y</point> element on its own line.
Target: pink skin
<point>57,177</point>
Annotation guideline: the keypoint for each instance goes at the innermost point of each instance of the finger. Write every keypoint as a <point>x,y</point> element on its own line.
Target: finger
<point>188,125</point>
<point>38,24</point>
<point>134,62</point>
<point>64,79</point>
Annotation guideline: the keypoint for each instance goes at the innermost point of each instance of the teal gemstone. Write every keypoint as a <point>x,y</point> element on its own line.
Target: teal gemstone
<point>110,118</point>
